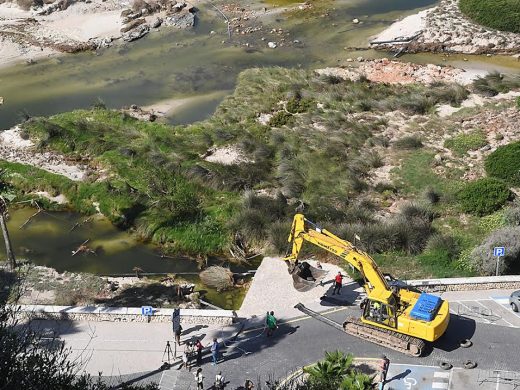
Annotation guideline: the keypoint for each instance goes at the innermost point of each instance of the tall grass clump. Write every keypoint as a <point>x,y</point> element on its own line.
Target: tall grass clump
<point>495,83</point>
<point>408,142</point>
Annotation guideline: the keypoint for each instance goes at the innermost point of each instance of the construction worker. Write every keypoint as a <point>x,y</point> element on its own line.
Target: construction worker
<point>338,282</point>
<point>271,324</point>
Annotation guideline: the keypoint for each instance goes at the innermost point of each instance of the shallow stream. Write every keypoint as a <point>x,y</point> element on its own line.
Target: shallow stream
<point>170,64</point>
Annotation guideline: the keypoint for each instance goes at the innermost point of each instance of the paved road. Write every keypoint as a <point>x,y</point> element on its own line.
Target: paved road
<point>135,350</point>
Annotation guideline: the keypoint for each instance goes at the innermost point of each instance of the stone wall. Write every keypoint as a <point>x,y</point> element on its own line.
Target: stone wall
<point>124,314</point>
<point>508,282</point>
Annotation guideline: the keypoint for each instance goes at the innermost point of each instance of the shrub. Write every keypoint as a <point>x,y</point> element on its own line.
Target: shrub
<point>297,105</point>
<point>431,196</point>
<point>279,119</point>
<point>503,15</point>
<point>483,196</point>
<point>512,216</point>
<point>518,102</point>
<point>462,143</point>
<point>485,262</point>
<point>252,224</point>
<point>408,142</point>
<point>504,163</point>
<point>454,94</point>
<point>445,244</point>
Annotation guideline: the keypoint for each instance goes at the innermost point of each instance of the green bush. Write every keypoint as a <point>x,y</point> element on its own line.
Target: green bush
<point>503,15</point>
<point>297,105</point>
<point>279,119</point>
<point>483,196</point>
<point>445,244</point>
<point>518,102</point>
<point>462,143</point>
<point>504,163</point>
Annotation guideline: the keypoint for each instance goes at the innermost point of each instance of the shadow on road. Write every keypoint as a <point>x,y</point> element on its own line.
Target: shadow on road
<point>399,376</point>
<point>347,297</point>
<point>459,328</point>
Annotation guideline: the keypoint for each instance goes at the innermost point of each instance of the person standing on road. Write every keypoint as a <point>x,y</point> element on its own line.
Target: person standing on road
<point>184,359</point>
<point>199,347</point>
<point>199,379</point>
<point>249,384</point>
<point>219,381</point>
<point>271,324</point>
<point>383,366</point>
<point>338,282</point>
<point>178,333</point>
<point>214,351</point>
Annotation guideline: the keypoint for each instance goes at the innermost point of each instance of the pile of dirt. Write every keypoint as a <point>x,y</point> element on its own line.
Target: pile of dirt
<point>394,72</point>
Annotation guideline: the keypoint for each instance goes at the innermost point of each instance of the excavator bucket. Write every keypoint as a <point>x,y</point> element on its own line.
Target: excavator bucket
<point>306,277</point>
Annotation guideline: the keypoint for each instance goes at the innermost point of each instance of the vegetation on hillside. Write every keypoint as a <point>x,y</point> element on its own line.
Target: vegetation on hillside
<point>501,15</point>
<point>320,148</point>
<point>504,163</point>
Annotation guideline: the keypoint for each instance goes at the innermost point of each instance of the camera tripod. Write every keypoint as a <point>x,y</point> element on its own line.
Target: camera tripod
<point>169,353</point>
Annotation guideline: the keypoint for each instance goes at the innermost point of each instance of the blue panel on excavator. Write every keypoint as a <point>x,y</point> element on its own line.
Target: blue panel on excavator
<point>426,307</point>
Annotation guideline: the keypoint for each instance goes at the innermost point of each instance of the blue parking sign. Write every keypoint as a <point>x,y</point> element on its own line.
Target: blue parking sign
<point>147,310</point>
<point>499,251</point>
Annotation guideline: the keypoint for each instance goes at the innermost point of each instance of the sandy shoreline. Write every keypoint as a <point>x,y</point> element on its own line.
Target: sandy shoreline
<point>445,29</point>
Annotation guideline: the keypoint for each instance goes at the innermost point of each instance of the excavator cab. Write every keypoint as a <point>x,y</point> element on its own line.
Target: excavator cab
<point>305,276</point>
<point>380,313</point>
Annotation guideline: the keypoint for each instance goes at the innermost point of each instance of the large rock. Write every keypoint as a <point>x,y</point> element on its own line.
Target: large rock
<point>136,34</point>
<point>180,20</point>
<point>132,25</point>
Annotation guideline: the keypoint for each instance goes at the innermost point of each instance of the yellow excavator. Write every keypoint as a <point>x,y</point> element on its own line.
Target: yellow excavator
<point>394,317</point>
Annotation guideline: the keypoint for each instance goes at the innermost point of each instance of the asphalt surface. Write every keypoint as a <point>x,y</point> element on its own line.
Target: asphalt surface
<point>134,351</point>
<point>302,341</point>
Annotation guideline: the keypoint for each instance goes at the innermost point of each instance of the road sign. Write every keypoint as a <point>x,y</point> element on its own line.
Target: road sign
<point>499,251</point>
<point>147,310</point>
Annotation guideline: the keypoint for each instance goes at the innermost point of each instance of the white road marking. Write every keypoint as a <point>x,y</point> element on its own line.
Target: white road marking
<point>411,365</point>
<point>441,374</point>
<point>439,385</point>
<point>502,301</point>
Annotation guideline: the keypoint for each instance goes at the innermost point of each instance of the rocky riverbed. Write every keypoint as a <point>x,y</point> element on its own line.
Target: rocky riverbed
<point>54,27</point>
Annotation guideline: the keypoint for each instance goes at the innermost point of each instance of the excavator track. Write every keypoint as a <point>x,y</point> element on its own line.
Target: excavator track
<point>408,345</point>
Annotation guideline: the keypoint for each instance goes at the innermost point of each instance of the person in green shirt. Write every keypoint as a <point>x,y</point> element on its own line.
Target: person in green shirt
<point>271,324</point>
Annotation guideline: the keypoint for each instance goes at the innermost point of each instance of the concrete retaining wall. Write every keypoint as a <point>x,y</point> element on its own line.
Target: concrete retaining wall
<point>506,282</point>
<point>125,314</point>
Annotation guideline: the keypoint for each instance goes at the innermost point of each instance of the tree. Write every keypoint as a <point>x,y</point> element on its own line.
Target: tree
<point>30,362</point>
<point>11,260</point>
<point>336,372</point>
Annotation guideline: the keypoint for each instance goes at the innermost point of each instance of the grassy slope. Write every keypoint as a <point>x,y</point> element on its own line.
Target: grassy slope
<point>158,184</point>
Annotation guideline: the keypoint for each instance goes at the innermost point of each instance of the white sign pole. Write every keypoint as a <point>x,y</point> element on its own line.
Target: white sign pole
<point>498,263</point>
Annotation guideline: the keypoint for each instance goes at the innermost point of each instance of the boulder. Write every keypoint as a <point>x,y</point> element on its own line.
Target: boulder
<point>272,45</point>
<point>136,34</point>
<point>132,25</point>
<point>180,20</point>
<point>355,21</point>
<point>157,22</point>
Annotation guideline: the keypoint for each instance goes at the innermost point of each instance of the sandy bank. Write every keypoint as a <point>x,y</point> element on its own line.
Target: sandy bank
<point>14,148</point>
<point>445,29</point>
